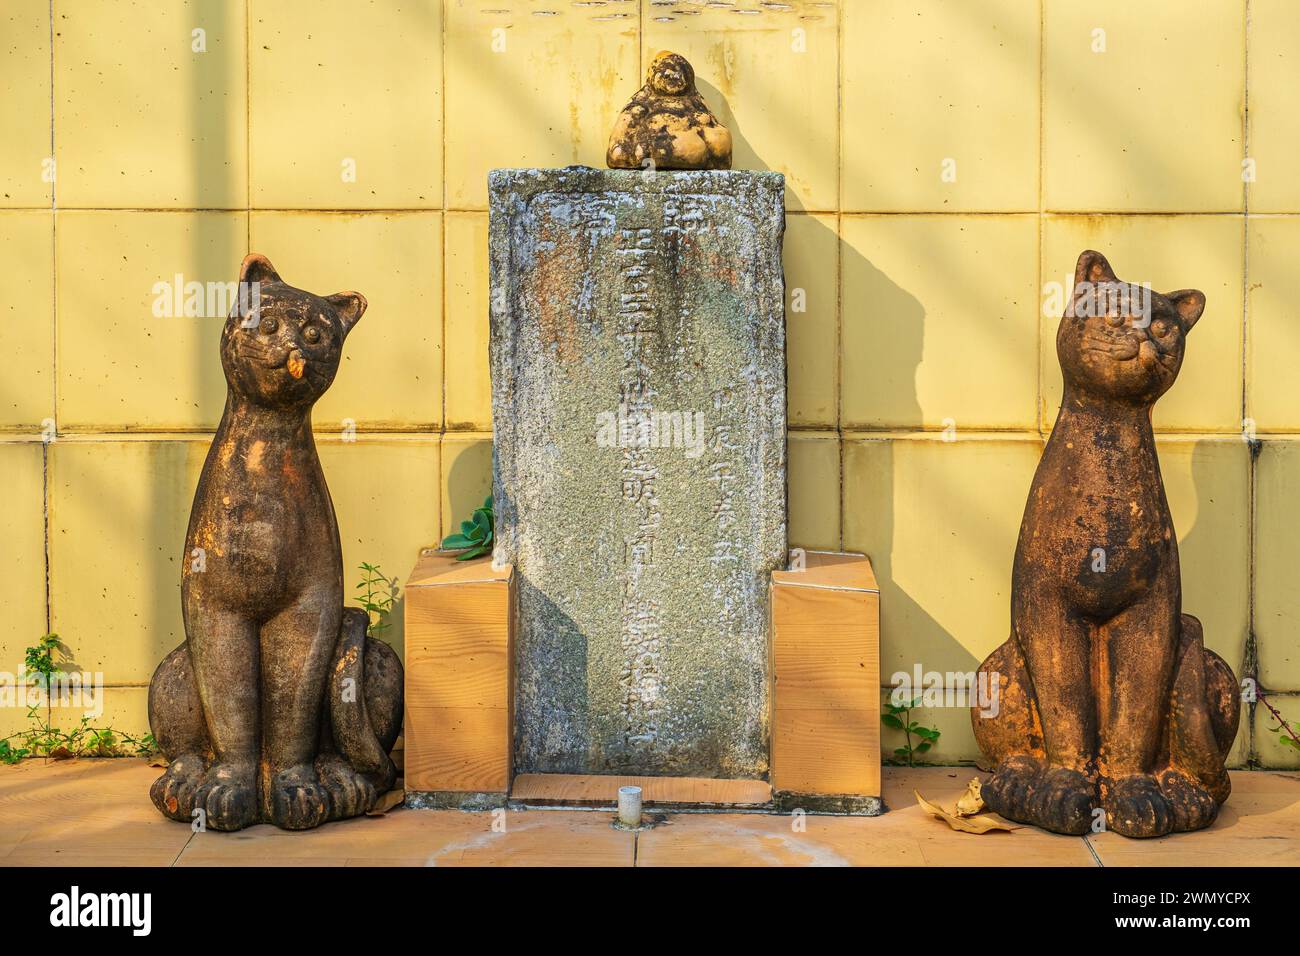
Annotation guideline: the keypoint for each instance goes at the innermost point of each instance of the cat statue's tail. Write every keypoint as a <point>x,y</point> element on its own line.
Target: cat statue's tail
<point>364,699</point>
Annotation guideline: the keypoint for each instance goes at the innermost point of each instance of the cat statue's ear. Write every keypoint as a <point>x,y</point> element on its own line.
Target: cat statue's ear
<point>257,268</point>
<point>1093,268</point>
<point>1190,303</point>
<point>350,307</point>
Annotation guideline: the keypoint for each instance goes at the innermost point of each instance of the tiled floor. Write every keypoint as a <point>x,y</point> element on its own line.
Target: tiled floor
<point>97,812</point>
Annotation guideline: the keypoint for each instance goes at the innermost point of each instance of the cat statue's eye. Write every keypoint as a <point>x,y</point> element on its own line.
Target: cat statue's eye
<point>311,334</point>
<point>269,326</point>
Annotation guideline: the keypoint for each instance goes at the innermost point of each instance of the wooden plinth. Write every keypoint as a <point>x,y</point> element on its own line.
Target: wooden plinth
<point>601,789</point>
<point>826,668</point>
<point>458,654</point>
<point>826,696</point>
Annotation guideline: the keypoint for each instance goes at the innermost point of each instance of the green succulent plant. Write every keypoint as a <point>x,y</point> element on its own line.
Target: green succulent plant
<point>475,535</point>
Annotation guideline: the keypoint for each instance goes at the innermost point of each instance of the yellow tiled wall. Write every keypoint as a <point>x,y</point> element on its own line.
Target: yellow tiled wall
<point>946,162</point>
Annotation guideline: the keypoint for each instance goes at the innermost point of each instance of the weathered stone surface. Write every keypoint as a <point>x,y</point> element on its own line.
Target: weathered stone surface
<point>638,391</point>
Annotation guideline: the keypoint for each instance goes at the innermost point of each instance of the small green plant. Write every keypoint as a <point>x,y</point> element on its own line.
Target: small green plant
<point>38,661</point>
<point>378,599</point>
<point>475,535</point>
<point>9,754</point>
<point>919,739</point>
<point>1285,735</point>
<point>43,739</point>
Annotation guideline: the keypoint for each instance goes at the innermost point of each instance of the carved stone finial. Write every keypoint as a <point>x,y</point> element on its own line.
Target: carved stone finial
<point>667,124</point>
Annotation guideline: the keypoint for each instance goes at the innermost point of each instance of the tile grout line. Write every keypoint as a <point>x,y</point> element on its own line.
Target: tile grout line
<point>1245,210</point>
<point>839,270</point>
<point>54,358</point>
<point>1093,851</point>
<point>1251,652</point>
<point>852,213</point>
<point>826,431</point>
<point>54,247</point>
<point>1249,667</point>
<point>1039,410</point>
<point>248,126</point>
<point>144,685</point>
<point>181,852</point>
<point>442,284</point>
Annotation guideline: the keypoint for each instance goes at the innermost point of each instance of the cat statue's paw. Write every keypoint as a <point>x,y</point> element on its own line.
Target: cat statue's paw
<point>1007,792</point>
<point>351,793</point>
<point>299,801</point>
<point>1136,807</point>
<point>228,796</point>
<point>1192,805</point>
<point>1065,800</point>
<point>173,792</point>
<point>1027,790</point>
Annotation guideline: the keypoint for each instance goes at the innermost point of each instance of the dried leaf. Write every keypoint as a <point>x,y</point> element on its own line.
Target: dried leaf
<point>393,798</point>
<point>158,760</point>
<point>970,802</point>
<point>977,824</point>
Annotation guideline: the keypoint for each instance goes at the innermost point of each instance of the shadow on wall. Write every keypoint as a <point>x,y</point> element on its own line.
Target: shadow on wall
<point>468,482</point>
<point>894,313</point>
<point>1212,567</point>
<point>166,516</point>
<point>742,151</point>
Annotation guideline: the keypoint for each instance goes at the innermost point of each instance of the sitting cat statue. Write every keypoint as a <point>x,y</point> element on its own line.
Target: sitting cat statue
<point>1107,699</point>
<point>277,708</point>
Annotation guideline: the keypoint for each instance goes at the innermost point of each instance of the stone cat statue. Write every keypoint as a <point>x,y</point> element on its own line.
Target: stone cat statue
<point>277,708</point>
<point>1106,695</point>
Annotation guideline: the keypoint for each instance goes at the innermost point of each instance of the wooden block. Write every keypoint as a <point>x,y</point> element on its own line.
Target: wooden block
<point>458,660</point>
<point>831,569</point>
<point>826,668</point>
<point>827,751</point>
<point>603,789</point>
<point>465,749</point>
<point>436,568</point>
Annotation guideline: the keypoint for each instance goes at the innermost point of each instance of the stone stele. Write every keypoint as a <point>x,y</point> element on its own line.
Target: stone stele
<point>638,395</point>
